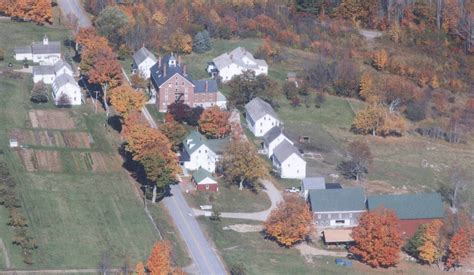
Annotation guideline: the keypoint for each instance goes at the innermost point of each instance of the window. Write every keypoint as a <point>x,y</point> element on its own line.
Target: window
<point>182,83</point>
<point>297,171</point>
<point>350,215</point>
<point>207,186</point>
<point>199,151</point>
<point>261,123</point>
<point>329,216</point>
<point>288,165</point>
<point>340,221</point>
<point>319,216</point>
<point>205,151</point>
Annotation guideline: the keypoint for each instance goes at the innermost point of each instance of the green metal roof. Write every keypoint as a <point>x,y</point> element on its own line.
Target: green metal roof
<point>196,140</point>
<point>201,174</point>
<point>410,206</point>
<point>333,200</point>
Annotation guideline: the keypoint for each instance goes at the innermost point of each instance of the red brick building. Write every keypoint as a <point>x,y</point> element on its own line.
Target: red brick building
<point>412,210</point>
<point>171,83</point>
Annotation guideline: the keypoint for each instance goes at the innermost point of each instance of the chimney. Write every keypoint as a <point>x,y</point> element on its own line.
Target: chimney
<point>164,71</point>
<point>207,86</point>
<point>184,69</point>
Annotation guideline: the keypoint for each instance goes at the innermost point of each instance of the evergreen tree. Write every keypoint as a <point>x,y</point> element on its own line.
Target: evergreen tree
<point>207,40</point>
<point>198,43</point>
<point>415,242</point>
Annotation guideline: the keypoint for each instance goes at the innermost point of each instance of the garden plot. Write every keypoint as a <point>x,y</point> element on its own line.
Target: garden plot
<point>95,162</point>
<point>51,119</point>
<point>67,139</point>
<point>40,160</point>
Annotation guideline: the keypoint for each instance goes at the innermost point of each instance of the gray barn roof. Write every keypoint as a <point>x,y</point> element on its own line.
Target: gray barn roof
<point>257,108</point>
<point>43,70</point>
<point>20,50</point>
<point>336,200</point>
<point>314,183</point>
<point>284,150</point>
<point>143,54</point>
<point>63,80</point>
<point>200,86</point>
<point>53,47</point>
<point>60,64</point>
<point>272,134</point>
<point>236,56</point>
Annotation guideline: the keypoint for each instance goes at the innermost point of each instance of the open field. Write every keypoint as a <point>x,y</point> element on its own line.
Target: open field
<point>79,202</point>
<point>230,199</point>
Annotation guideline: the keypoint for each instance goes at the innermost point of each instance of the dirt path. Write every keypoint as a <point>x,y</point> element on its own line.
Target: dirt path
<point>307,250</point>
<point>272,192</point>
<point>5,254</point>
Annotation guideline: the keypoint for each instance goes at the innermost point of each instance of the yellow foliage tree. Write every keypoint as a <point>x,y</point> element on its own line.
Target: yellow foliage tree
<point>434,83</point>
<point>380,60</point>
<point>367,88</point>
<point>140,269</point>
<point>430,251</point>
<point>126,100</point>
<point>369,120</point>
<point>160,18</point>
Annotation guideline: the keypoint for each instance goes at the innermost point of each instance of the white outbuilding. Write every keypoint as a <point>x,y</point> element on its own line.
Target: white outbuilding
<point>260,117</point>
<point>66,90</point>
<point>143,60</point>
<point>45,52</point>
<point>47,73</point>
<point>234,63</point>
<point>272,139</point>
<point>288,162</point>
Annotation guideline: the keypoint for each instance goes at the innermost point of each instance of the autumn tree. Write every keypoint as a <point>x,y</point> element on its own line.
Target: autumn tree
<point>290,222</point>
<point>367,89</point>
<point>368,121</point>
<point>458,249</point>
<point>247,86</point>
<point>175,132</point>
<point>214,122</point>
<point>159,262</point>
<point>380,60</point>
<point>431,251</point>
<point>377,240</point>
<point>241,164</point>
<point>269,49</point>
<point>140,269</point>
<point>360,160</point>
<point>125,99</point>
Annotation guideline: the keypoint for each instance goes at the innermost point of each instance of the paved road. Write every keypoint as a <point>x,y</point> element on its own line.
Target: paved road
<point>274,195</point>
<point>204,257</point>
<point>60,271</point>
<point>75,7</point>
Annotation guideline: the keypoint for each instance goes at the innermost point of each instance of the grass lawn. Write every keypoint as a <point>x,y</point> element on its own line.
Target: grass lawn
<point>170,233</point>
<point>14,34</point>
<point>231,199</point>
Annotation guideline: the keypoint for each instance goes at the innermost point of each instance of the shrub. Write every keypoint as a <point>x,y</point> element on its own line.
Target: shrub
<point>416,111</point>
<point>39,93</point>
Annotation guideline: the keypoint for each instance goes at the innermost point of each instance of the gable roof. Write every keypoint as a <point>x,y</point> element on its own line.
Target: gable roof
<point>142,54</point>
<point>195,140</point>
<point>53,47</point>
<point>201,174</point>
<point>200,86</point>
<point>333,185</point>
<point>273,134</point>
<point>313,183</point>
<point>158,75</point>
<point>63,80</point>
<point>22,49</point>
<point>258,108</point>
<point>60,64</point>
<point>410,206</point>
<point>51,69</point>
<point>284,150</point>
<point>237,56</point>
<point>334,200</point>
<point>43,70</point>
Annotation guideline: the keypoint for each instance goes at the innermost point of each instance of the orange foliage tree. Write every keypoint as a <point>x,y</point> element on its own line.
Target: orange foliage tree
<point>126,100</point>
<point>39,11</point>
<point>458,249</point>
<point>380,60</point>
<point>431,250</point>
<point>140,269</point>
<point>290,222</point>
<point>175,132</point>
<point>159,262</point>
<point>214,122</point>
<point>377,241</point>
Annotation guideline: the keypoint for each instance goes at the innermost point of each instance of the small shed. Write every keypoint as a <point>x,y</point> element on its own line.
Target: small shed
<point>13,143</point>
<point>204,181</point>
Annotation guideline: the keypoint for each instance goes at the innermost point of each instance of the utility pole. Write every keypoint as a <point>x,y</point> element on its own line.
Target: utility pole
<point>96,93</point>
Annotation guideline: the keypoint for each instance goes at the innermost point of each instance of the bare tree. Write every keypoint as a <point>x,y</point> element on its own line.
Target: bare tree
<point>358,164</point>
<point>458,183</point>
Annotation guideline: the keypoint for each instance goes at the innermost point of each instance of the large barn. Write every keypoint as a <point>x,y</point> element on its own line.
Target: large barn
<point>412,209</point>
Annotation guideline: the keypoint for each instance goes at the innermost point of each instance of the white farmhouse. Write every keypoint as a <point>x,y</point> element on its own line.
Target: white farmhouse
<point>47,73</point>
<point>199,152</point>
<point>272,139</point>
<point>288,162</point>
<point>143,60</point>
<point>64,86</point>
<point>233,63</point>
<point>44,53</point>
<point>260,117</point>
